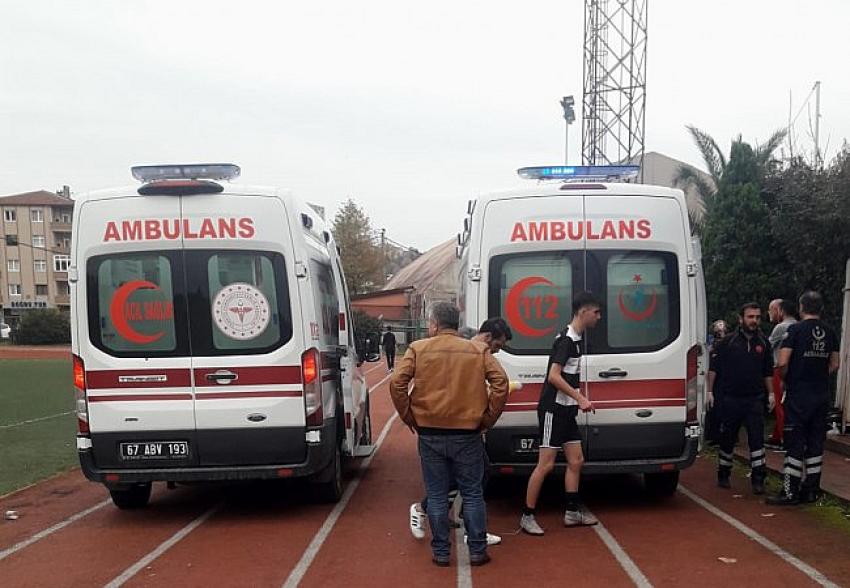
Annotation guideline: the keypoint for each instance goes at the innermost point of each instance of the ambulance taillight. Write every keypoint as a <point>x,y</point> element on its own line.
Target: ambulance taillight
<point>691,385</point>
<point>311,376</point>
<point>81,403</point>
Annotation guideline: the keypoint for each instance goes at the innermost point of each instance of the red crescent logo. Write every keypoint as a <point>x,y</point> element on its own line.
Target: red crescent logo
<point>116,312</point>
<point>512,307</point>
<point>638,316</point>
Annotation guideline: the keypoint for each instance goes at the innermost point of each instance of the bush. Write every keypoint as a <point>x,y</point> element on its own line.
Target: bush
<point>44,327</point>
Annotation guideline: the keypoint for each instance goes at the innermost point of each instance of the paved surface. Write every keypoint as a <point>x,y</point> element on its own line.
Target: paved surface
<point>273,535</point>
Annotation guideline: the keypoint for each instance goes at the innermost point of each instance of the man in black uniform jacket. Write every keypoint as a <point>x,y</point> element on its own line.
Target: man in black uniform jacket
<point>742,364</point>
<point>809,354</point>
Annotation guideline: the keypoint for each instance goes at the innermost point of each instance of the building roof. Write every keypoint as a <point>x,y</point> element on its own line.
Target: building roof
<point>425,269</point>
<point>37,198</point>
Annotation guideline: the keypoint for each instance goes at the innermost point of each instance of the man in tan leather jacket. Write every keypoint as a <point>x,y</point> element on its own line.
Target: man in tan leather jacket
<point>449,407</point>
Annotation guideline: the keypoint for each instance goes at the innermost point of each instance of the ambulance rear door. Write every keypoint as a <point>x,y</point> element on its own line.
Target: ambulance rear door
<point>131,322</point>
<point>636,356</point>
<point>245,327</point>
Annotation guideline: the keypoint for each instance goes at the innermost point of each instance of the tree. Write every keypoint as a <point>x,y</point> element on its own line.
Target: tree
<point>361,258</point>
<point>745,164</point>
<point>810,216</point>
<point>44,327</point>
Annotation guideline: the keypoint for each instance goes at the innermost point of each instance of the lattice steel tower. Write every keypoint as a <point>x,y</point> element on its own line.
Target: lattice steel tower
<point>613,111</point>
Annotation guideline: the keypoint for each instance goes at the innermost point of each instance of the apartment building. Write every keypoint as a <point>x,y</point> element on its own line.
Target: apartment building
<point>35,252</point>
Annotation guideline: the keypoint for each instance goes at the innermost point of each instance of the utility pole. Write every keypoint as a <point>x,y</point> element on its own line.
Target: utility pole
<point>384,255</point>
<point>567,103</point>
<point>817,125</point>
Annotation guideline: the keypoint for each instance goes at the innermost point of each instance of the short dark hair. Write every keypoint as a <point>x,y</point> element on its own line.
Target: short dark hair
<point>811,302</point>
<point>788,307</point>
<point>497,327</point>
<point>749,306</point>
<point>445,314</point>
<point>389,328</point>
<point>585,300</point>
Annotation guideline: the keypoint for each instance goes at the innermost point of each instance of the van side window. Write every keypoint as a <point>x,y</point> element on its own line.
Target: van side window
<point>326,301</point>
<point>641,301</point>
<point>533,292</point>
<point>132,304</point>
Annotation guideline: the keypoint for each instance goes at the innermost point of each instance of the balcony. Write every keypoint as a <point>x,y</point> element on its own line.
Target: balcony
<point>60,227</point>
<point>62,299</point>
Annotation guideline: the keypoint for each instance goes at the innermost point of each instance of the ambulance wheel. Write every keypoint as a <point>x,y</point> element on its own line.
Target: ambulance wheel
<point>328,483</point>
<point>662,483</point>
<point>136,496</point>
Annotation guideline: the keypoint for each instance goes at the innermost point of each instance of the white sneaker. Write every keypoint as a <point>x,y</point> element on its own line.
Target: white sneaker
<point>529,525</point>
<point>417,521</point>
<point>491,539</point>
<point>579,518</point>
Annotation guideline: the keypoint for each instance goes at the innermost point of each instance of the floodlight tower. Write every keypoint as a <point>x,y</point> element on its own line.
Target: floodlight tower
<point>613,110</point>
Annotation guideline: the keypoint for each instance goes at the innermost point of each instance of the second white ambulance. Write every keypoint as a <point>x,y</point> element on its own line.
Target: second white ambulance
<point>211,336</point>
<point>525,253</point>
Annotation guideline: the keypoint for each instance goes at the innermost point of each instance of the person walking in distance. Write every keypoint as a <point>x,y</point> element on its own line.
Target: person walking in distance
<point>809,354</point>
<point>742,365</point>
<point>781,313</point>
<point>560,401</point>
<point>459,391</point>
<point>388,343</point>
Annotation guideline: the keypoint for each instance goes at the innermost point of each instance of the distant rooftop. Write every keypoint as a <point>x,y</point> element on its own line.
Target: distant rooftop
<point>425,269</point>
<point>37,198</point>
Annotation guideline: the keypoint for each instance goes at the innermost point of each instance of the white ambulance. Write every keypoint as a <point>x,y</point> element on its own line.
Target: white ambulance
<point>211,336</point>
<point>527,252</point>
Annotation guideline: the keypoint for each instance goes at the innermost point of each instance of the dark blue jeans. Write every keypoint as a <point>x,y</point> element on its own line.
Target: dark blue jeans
<point>459,458</point>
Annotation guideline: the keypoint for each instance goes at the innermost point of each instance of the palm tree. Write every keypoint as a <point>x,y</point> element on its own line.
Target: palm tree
<point>718,165</point>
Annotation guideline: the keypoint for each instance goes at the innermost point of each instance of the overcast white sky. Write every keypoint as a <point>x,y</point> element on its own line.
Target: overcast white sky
<point>409,108</point>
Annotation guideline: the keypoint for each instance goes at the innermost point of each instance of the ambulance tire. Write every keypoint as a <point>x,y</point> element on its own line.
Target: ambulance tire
<point>134,497</point>
<point>327,486</point>
<point>661,484</point>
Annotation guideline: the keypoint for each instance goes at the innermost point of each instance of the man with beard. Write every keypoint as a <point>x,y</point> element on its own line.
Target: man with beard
<point>742,365</point>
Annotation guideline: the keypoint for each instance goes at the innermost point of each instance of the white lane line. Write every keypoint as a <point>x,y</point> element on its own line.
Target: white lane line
<point>321,535</point>
<point>163,547</point>
<point>811,572</point>
<point>627,563</point>
<point>464,570</point>
<point>380,364</point>
<point>378,385</point>
<point>38,420</point>
<point>50,530</point>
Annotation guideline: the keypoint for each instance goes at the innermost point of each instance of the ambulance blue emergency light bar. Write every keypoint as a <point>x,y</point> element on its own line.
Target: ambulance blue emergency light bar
<point>606,173</point>
<point>192,171</point>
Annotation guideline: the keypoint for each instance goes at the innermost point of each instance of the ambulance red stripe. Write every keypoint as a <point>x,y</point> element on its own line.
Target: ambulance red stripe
<point>251,376</point>
<point>146,378</point>
<point>249,394</point>
<point>624,390</point>
<point>137,397</point>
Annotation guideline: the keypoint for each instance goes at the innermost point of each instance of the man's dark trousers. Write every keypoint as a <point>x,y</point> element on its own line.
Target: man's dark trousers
<point>734,412</point>
<point>458,457</point>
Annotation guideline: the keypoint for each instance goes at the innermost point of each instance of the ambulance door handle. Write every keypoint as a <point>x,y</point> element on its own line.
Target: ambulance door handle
<point>222,377</point>
<point>613,373</point>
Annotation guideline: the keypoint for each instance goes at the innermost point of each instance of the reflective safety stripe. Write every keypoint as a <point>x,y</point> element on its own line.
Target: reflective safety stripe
<point>726,455</point>
<point>756,463</point>
<point>724,461</point>
<point>814,460</point>
<point>757,453</point>
<point>790,471</point>
<point>792,461</point>
<point>813,470</point>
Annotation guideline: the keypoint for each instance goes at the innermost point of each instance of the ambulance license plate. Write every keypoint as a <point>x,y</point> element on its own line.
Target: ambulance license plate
<point>525,444</point>
<point>155,450</point>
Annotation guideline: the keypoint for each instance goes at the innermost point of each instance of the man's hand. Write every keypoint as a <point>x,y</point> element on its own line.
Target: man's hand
<point>709,400</point>
<point>585,405</point>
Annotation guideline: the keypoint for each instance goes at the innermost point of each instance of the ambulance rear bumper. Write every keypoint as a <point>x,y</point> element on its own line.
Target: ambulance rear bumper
<point>317,456</point>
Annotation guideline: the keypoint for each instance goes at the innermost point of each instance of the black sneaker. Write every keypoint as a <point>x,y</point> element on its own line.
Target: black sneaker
<point>758,487</point>
<point>723,482</point>
<point>783,499</point>
<point>479,560</point>
<point>809,495</point>
<point>441,561</point>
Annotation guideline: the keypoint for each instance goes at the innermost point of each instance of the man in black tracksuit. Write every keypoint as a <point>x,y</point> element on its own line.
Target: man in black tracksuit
<point>809,354</point>
<point>742,365</point>
<point>388,343</point>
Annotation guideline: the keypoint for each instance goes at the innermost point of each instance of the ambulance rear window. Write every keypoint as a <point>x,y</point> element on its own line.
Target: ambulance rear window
<point>534,295</point>
<point>133,305</point>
